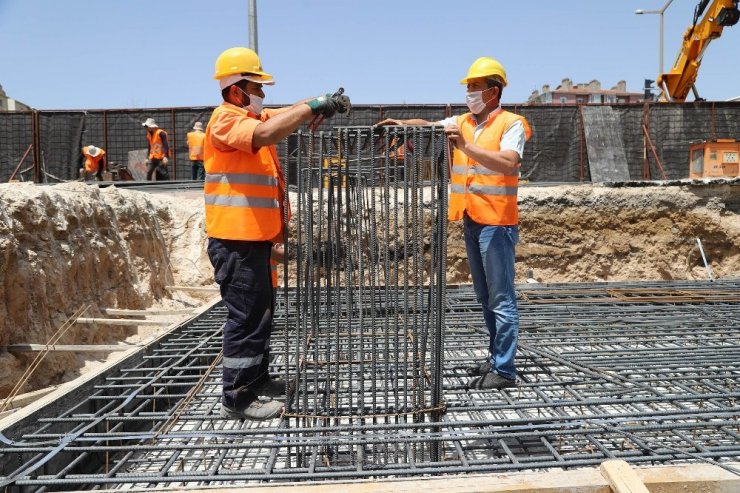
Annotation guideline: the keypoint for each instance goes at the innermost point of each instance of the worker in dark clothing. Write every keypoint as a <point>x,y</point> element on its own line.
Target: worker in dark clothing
<point>244,192</point>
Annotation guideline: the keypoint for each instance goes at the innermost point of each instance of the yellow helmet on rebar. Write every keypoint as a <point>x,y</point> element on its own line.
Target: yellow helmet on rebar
<point>485,67</point>
<point>240,60</point>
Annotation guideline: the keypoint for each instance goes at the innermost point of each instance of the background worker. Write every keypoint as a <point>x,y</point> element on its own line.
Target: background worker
<point>244,189</point>
<point>94,163</point>
<point>195,150</point>
<point>159,150</point>
<point>489,143</point>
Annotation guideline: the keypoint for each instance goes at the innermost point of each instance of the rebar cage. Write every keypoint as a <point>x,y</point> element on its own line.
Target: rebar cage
<point>370,220</point>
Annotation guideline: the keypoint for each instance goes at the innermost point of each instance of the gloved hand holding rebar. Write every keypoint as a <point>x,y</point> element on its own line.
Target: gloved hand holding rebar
<point>329,104</point>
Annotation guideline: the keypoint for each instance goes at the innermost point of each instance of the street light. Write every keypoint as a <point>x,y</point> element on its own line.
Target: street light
<point>641,11</point>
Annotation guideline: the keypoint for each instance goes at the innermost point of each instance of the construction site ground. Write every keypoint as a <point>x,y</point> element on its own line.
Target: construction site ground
<point>79,251</point>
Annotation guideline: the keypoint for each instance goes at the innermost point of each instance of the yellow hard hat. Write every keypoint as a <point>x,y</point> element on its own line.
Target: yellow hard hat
<point>485,67</point>
<point>239,60</point>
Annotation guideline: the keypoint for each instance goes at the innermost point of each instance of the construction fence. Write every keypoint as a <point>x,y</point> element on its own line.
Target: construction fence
<point>45,146</point>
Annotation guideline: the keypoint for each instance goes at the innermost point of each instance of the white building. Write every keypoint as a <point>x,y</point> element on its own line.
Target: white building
<point>10,104</point>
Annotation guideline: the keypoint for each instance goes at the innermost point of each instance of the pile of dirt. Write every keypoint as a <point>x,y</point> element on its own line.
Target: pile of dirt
<point>599,233</point>
<point>71,245</point>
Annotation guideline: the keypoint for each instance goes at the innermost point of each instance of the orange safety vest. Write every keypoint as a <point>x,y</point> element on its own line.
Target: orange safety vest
<point>489,197</point>
<point>92,163</point>
<point>243,191</point>
<point>156,148</point>
<point>195,145</point>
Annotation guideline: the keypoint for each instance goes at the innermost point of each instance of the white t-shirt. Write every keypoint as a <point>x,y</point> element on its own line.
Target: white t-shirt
<point>512,140</point>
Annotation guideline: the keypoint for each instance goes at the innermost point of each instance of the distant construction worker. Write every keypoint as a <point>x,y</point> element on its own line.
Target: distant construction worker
<point>94,163</point>
<point>195,149</point>
<point>244,189</point>
<point>159,150</point>
<point>489,143</point>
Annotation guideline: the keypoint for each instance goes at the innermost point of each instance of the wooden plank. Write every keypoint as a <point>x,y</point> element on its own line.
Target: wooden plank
<point>121,321</point>
<point>6,422</point>
<point>122,312</point>
<point>695,478</point>
<point>21,400</point>
<point>622,478</point>
<point>89,348</point>
<point>604,144</point>
<point>194,289</point>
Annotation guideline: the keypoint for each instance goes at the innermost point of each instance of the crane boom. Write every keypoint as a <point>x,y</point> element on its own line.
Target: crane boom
<point>675,85</point>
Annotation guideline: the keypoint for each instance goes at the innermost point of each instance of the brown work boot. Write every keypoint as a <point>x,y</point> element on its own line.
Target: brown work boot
<point>257,410</point>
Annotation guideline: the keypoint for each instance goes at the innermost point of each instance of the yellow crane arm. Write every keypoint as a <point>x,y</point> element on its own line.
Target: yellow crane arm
<point>675,85</point>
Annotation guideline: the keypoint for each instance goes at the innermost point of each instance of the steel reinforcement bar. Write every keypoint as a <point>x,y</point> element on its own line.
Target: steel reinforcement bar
<point>602,376</point>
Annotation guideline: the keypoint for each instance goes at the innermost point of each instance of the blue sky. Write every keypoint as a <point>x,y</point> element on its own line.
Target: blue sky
<point>94,54</point>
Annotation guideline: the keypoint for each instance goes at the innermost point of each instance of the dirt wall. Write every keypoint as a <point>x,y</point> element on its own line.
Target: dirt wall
<point>66,246</point>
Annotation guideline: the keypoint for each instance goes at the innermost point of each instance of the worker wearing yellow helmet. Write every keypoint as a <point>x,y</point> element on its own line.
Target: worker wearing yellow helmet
<point>488,148</point>
<point>244,195</point>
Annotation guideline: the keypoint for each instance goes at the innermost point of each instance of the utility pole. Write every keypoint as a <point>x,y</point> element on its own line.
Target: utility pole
<point>659,12</point>
<point>253,25</point>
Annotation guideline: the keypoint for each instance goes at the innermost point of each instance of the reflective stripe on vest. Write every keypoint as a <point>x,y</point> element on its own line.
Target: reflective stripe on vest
<point>242,189</point>
<point>241,179</point>
<point>483,189</point>
<point>195,145</point>
<point>156,147</point>
<point>488,196</point>
<point>241,201</point>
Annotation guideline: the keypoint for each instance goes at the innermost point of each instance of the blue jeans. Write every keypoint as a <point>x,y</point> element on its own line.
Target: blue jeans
<point>242,271</point>
<point>491,251</point>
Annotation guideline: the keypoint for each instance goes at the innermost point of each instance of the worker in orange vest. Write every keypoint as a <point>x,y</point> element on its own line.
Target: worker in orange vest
<point>489,144</point>
<point>244,191</point>
<point>159,150</point>
<point>195,150</point>
<point>94,163</point>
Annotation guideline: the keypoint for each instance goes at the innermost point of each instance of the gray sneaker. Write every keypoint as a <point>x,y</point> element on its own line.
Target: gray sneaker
<point>258,410</point>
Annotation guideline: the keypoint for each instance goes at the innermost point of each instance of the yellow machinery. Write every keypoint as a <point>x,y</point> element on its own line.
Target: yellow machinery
<point>675,85</point>
<point>714,159</point>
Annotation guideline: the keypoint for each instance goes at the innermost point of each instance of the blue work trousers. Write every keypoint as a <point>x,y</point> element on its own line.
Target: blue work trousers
<point>242,271</point>
<point>491,252</point>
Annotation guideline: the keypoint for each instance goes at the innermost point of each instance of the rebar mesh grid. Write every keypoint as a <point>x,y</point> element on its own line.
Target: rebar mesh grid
<point>602,376</point>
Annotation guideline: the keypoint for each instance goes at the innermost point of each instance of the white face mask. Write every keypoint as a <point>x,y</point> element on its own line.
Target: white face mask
<point>475,103</point>
<point>255,103</point>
